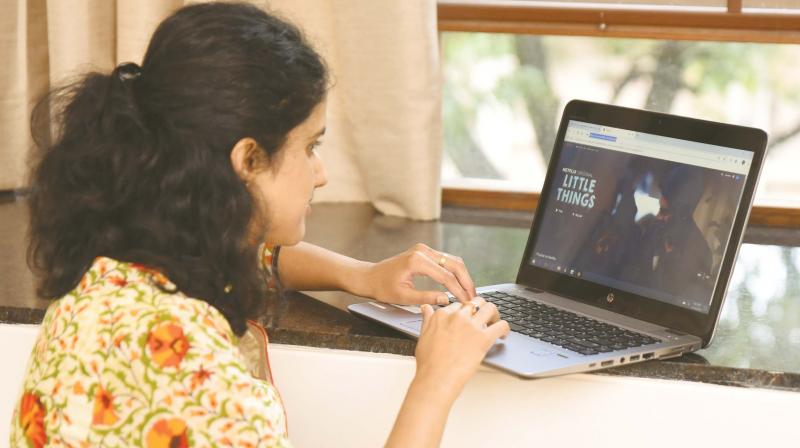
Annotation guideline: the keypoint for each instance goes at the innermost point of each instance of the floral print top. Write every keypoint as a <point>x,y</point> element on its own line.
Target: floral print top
<point>120,362</point>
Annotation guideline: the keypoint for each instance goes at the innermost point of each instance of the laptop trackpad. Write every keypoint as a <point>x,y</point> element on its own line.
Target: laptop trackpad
<point>414,326</point>
<point>410,308</point>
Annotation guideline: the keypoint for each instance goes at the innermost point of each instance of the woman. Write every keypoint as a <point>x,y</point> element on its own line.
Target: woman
<point>159,203</point>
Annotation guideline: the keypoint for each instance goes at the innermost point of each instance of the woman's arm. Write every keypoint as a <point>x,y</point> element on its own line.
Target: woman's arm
<point>453,339</point>
<point>423,415</point>
<point>308,267</point>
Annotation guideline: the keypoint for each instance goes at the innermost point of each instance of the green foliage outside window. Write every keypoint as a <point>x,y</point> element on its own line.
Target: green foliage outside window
<point>531,78</point>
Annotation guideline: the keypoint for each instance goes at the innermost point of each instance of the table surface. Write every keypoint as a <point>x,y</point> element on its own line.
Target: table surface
<point>757,343</point>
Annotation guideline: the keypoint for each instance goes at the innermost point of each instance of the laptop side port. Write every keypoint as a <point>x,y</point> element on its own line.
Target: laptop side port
<point>647,355</point>
<point>607,363</point>
<point>675,352</point>
<point>634,358</point>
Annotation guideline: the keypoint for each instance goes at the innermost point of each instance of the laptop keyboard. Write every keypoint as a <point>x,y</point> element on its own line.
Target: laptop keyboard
<point>571,331</point>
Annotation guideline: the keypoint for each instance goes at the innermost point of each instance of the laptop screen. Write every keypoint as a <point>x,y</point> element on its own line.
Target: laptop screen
<point>642,213</point>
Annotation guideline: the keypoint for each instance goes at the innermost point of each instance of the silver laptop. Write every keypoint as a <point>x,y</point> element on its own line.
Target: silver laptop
<point>632,245</point>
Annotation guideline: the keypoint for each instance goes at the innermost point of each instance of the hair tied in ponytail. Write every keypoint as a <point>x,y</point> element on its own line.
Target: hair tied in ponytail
<point>136,166</point>
<point>127,71</point>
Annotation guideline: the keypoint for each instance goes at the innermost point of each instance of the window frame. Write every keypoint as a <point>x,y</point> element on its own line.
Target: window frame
<point>732,24</point>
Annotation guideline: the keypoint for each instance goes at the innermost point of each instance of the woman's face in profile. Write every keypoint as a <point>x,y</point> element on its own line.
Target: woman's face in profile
<point>283,190</point>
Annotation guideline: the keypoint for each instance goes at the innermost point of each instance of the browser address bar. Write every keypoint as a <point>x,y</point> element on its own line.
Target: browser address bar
<point>655,150</point>
<point>639,146</point>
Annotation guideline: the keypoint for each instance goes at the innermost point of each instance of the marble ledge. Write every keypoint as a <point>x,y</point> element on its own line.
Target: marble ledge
<point>302,320</point>
<point>297,319</point>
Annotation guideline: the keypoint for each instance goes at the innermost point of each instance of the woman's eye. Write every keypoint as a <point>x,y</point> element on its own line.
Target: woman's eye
<point>314,146</point>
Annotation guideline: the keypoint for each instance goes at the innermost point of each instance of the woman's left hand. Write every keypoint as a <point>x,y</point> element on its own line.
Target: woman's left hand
<point>391,280</point>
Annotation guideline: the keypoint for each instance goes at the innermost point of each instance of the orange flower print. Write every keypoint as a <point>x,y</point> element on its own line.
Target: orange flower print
<point>104,413</point>
<point>155,274</point>
<point>119,339</point>
<point>31,419</point>
<point>167,344</point>
<point>167,432</point>
<point>199,377</point>
<point>118,281</point>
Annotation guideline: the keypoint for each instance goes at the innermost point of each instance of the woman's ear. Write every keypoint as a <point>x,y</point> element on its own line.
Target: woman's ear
<point>243,158</point>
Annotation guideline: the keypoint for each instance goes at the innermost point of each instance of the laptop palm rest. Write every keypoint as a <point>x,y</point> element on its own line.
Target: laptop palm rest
<point>517,354</point>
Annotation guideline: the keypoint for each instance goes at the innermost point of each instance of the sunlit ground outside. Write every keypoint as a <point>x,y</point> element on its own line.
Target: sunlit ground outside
<point>504,94</point>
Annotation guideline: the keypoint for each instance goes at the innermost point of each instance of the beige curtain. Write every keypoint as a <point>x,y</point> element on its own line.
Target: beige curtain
<point>384,123</point>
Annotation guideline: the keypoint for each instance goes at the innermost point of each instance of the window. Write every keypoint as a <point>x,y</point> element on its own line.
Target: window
<point>509,68</point>
<point>770,4</point>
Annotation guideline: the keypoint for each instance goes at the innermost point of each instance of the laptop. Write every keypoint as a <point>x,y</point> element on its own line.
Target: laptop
<point>632,245</point>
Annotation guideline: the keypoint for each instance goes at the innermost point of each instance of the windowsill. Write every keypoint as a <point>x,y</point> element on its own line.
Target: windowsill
<point>491,243</point>
<point>475,194</point>
<point>523,219</point>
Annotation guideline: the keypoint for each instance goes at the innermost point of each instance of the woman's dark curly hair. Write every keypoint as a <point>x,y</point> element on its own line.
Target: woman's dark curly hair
<point>136,166</point>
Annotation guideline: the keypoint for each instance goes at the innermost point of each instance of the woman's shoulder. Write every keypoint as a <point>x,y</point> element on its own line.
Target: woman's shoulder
<point>121,347</point>
<point>119,305</point>
<point>119,293</point>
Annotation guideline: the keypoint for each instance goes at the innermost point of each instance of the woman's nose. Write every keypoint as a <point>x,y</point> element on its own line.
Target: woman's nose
<point>320,175</point>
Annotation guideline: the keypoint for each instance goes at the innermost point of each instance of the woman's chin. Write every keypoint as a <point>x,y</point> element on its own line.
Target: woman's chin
<point>286,242</point>
<point>283,236</point>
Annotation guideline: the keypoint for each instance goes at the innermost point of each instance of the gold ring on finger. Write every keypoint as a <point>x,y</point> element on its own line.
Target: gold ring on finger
<point>443,260</point>
<point>475,309</point>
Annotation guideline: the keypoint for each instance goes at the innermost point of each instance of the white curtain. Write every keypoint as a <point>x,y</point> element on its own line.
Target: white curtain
<point>384,122</point>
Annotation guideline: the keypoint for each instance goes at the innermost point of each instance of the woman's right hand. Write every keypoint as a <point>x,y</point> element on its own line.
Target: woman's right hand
<point>451,345</point>
<point>454,341</point>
